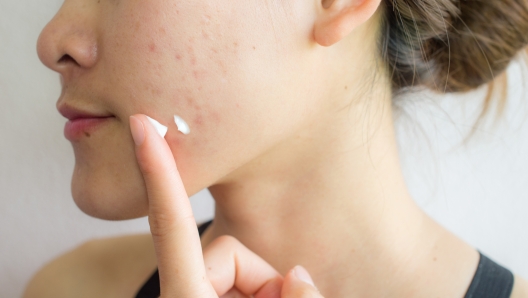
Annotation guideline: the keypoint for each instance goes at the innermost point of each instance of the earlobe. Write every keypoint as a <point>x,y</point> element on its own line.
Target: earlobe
<point>338,18</point>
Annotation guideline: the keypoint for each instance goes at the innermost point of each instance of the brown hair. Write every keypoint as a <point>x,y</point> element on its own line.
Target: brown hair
<point>452,45</point>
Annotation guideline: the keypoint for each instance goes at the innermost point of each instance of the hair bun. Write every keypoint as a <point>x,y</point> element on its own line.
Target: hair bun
<point>452,45</point>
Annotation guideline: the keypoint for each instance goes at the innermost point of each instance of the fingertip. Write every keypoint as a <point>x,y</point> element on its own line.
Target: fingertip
<point>160,128</point>
<point>137,129</point>
<point>303,275</point>
<point>299,284</point>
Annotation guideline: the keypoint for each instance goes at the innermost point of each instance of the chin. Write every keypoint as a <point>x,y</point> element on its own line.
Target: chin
<point>105,195</point>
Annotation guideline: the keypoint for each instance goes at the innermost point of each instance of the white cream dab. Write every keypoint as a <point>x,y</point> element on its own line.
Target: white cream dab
<point>182,125</point>
<point>160,128</point>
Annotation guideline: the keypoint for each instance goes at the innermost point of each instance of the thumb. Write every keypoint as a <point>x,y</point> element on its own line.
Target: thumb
<point>299,284</point>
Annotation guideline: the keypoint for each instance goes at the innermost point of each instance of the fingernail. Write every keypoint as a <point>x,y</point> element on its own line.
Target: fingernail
<point>303,275</point>
<point>137,129</point>
<point>160,128</point>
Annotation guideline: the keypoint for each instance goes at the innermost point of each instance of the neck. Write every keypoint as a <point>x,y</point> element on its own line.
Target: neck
<point>330,195</point>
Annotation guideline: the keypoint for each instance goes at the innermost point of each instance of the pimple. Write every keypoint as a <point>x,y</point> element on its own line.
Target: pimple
<point>199,73</point>
<point>175,140</point>
<point>222,66</point>
<point>190,50</point>
<point>157,91</point>
<point>198,120</point>
<point>178,56</point>
<point>215,117</point>
<point>152,47</point>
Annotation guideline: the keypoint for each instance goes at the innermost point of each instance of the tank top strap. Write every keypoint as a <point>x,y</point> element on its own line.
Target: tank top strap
<point>491,280</point>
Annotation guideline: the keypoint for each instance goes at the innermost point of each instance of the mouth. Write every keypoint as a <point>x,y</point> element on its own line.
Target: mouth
<point>78,128</point>
<point>82,123</point>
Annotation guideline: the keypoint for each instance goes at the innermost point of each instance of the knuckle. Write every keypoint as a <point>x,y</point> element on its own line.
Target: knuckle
<point>161,225</point>
<point>226,241</point>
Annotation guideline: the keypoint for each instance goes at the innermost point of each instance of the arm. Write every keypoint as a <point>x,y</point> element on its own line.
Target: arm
<point>520,288</point>
<point>114,267</point>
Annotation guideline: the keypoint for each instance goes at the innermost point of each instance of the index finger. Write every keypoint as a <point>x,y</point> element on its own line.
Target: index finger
<point>176,240</point>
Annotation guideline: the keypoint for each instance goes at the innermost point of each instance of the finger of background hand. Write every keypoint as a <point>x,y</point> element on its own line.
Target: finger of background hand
<point>298,284</point>
<point>172,224</point>
<point>230,264</point>
<point>234,293</point>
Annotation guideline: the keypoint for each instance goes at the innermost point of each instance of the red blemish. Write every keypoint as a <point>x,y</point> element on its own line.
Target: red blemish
<point>152,47</point>
<point>178,56</point>
<point>199,73</point>
<point>193,60</point>
<point>156,91</point>
<point>198,120</point>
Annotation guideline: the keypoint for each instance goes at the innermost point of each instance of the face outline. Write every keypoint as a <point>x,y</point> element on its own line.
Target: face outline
<point>240,74</point>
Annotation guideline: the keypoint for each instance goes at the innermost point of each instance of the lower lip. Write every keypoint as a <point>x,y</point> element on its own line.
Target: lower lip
<point>83,127</point>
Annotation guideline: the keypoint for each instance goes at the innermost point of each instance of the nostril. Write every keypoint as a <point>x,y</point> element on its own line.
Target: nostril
<point>67,59</point>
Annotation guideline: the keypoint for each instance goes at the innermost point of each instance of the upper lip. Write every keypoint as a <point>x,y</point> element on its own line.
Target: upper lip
<point>73,113</point>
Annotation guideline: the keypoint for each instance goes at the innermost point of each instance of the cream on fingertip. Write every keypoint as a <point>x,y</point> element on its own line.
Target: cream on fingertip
<point>160,128</point>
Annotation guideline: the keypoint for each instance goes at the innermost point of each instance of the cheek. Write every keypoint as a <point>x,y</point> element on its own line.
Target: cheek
<point>216,70</point>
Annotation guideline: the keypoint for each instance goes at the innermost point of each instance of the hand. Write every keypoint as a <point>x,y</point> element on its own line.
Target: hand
<point>232,269</point>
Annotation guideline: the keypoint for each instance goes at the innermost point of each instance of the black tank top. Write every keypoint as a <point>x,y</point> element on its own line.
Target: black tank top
<point>491,280</point>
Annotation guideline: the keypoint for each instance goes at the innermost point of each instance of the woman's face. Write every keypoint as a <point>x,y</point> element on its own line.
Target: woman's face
<point>243,74</point>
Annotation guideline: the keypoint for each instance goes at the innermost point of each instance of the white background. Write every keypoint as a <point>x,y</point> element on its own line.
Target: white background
<point>478,191</point>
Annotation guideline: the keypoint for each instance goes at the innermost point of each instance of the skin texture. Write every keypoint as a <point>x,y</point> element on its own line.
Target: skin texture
<point>291,130</point>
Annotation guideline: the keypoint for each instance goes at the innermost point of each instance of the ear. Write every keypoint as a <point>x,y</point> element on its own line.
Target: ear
<point>337,18</point>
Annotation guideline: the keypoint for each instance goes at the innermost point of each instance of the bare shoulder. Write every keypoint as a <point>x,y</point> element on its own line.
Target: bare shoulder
<point>520,288</point>
<point>109,267</point>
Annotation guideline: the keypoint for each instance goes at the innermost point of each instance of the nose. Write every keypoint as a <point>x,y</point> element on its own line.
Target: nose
<point>68,43</point>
